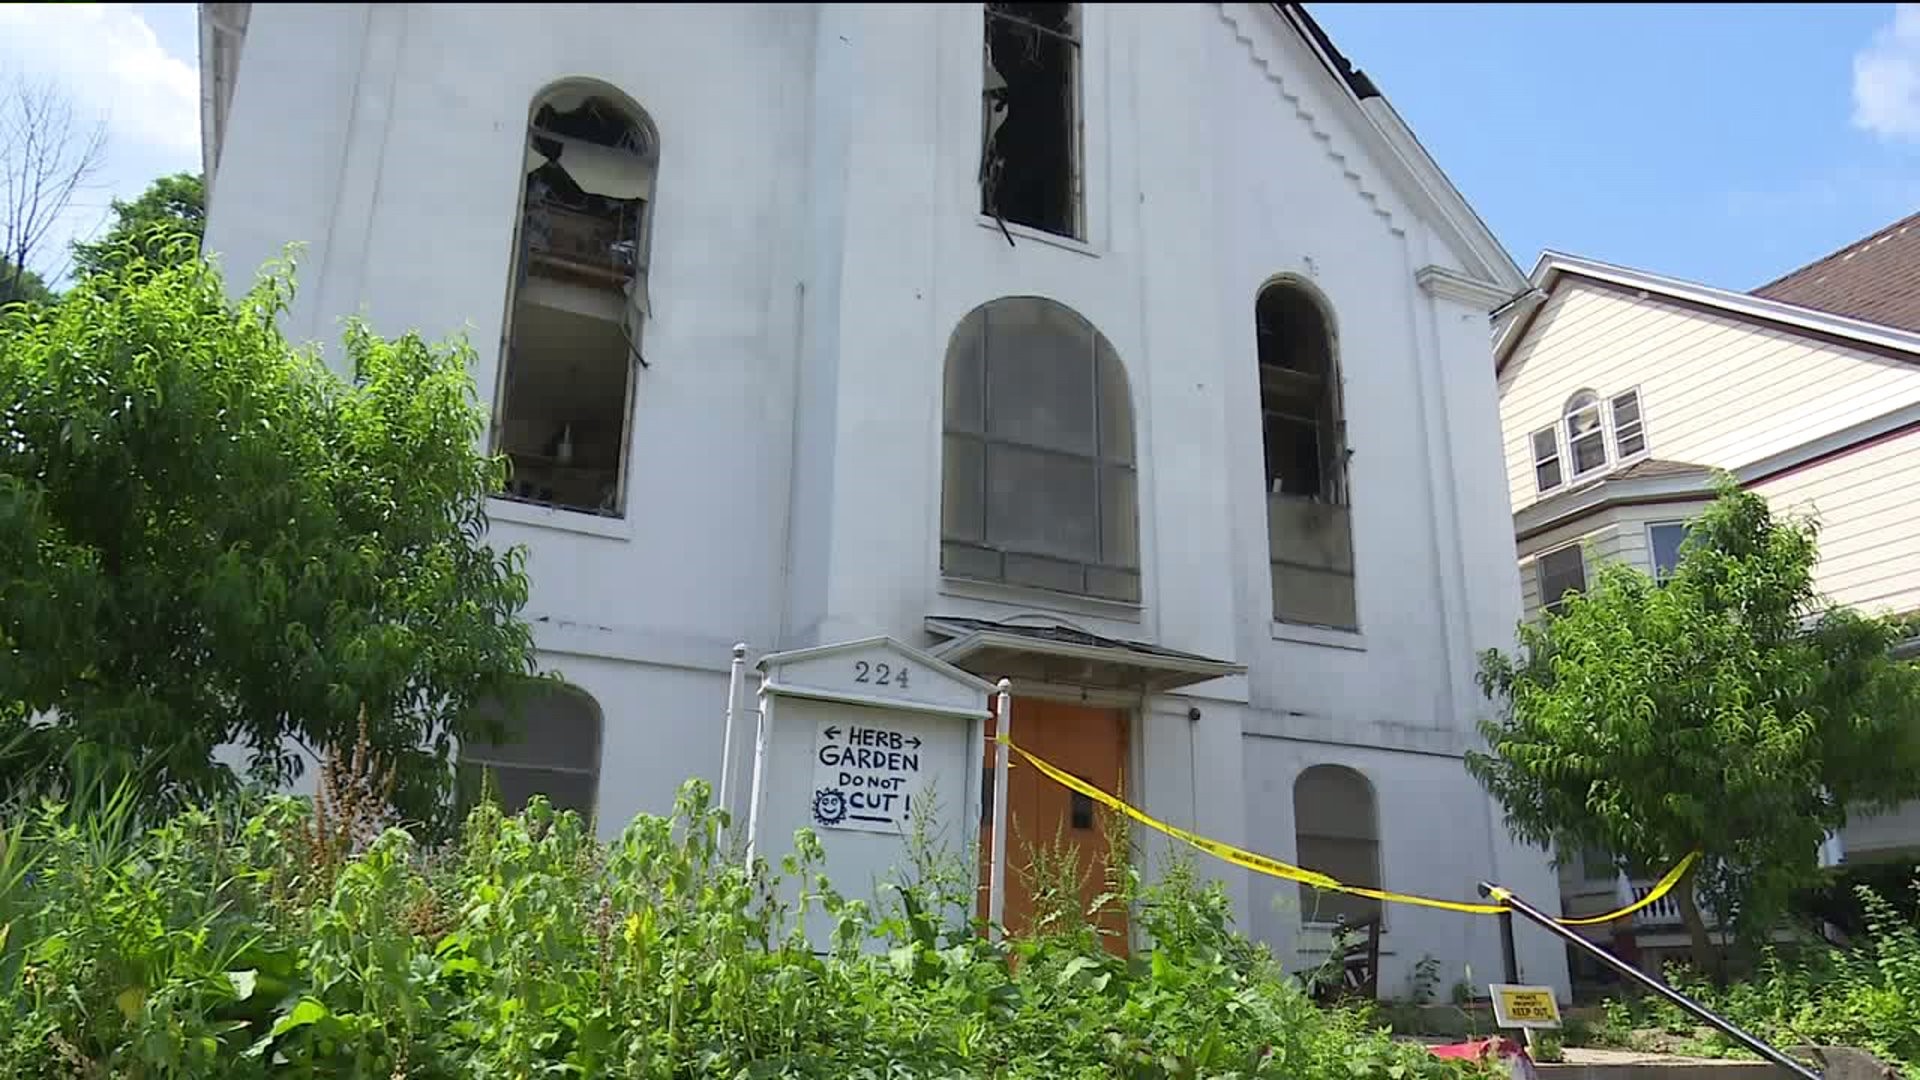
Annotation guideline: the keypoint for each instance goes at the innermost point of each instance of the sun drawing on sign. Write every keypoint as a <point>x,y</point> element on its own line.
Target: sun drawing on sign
<point>829,806</point>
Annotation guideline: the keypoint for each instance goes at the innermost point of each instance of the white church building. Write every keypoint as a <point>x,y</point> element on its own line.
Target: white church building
<point>1136,354</point>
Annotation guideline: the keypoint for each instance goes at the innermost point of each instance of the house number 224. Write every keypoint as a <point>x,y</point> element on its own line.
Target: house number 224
<point>879,674</point>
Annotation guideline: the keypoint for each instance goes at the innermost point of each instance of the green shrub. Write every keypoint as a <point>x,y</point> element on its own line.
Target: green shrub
<point>1866,996</point>
<point>257,941</point>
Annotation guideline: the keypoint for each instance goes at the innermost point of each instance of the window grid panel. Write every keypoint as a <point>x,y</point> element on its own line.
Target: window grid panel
<point>1116,573</point>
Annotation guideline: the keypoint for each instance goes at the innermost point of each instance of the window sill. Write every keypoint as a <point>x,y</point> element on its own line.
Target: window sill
<point>1321,928</point>
<point>1041,599</point>
<point>1028,232</point>
<point>1326,636</point>
<point>548,517</point>
<point>1316,939</point>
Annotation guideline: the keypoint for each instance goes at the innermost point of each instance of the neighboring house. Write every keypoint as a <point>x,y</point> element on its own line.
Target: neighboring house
<point>1620,392</point>
<point>1136,353</point>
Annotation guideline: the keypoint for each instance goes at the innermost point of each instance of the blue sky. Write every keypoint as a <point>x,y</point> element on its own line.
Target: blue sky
<point>131,67</point>
<point>1725,144</point>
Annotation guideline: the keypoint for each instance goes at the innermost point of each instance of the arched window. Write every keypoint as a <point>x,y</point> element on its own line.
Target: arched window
<point>576,301</point>
<point>1336,832</point>
<point>1586,442</point>
<point>551,747</point>
<point>1040,487</point>
<point>1309,535</point>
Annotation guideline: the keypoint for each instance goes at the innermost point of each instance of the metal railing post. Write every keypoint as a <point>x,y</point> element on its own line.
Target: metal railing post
<point>1552,925</point>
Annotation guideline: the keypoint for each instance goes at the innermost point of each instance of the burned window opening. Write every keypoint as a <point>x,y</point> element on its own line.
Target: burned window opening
<point>1298,397</point>
<point>572,339</point>
<point>1030,123</point>
<point>1309,528</point>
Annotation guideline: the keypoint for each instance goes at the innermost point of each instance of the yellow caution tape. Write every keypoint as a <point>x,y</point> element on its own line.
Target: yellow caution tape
<point>1261,864</point>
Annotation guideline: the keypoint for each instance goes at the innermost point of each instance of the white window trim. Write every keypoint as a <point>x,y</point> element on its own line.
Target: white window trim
<point>1559,457</point>
<point>1570,464</point>
<point>1613,430</point>
<point>1653,566</point>
<point>542,516</point>
<point>1330,637</point>
<point>1540,571</point>
<point>1040,236</point>
<point>1031,597</point>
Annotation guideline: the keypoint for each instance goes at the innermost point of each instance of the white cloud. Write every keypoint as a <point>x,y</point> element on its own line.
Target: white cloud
<point>1886,78</point>
<point>108,59</point>
<point>115,69</point>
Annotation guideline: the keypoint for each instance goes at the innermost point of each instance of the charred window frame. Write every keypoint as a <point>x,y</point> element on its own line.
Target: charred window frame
<point>1302,426</point>
<point>576,301</point>
<point>1031,160</point>
<point>1303,435</point>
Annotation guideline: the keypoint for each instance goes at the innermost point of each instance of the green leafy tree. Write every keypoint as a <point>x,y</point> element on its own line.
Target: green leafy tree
<point>165,223</point>
<point>1729,710</point>
<point>208,538</point>
<point>24,287</point>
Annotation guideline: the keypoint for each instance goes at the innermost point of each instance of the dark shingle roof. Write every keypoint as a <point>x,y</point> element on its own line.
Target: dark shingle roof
<point>1656,467</point>
<point>1067,636</point>
<point>1876,279</point>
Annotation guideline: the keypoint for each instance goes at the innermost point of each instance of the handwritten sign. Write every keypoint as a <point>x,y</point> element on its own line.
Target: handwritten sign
<point>865,776</point>
<point>1524,1006</point>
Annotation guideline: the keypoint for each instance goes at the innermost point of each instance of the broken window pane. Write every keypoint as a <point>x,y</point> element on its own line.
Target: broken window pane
<point>1302,434</point>
<point>1030,125</point>
<point>572,336</point>
<point>1297,394</point>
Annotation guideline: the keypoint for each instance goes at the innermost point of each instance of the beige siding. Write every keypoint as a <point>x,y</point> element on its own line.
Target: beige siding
<point>1714,390</point>
<point>1601,541</point>
<point>1617,534</point>
<point>1869,522</point>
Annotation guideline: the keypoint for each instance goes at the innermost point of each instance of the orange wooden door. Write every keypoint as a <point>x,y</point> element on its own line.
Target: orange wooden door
<point>1058,840</point>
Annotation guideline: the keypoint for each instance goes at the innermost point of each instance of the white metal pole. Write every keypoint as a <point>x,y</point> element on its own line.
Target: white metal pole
<point>759,772</point>
<point>736,679</point>
<point>997,869</point>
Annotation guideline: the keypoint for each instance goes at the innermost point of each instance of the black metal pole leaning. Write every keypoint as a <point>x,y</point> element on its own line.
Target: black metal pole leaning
<point>1551,925</point>
<point>1509,957</point>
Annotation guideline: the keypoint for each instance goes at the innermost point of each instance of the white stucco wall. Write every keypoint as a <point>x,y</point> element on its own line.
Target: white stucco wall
<point>815,240</point>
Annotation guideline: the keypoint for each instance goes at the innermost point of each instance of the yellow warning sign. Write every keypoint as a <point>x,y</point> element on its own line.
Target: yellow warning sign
<point>1524,1006</point>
